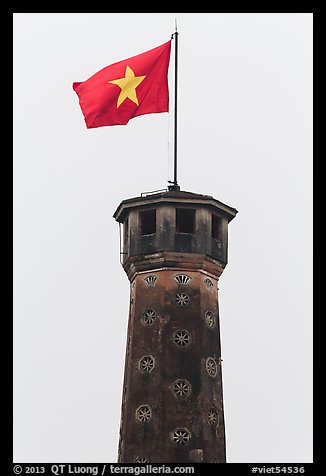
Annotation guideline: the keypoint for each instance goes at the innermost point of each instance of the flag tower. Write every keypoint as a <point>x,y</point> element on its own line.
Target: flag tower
<point>174,249</point>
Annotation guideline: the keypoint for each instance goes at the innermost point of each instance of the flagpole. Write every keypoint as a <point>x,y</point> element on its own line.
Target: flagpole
<point>175,187</point>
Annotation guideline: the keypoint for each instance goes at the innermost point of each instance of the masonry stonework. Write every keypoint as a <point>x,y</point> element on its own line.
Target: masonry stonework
<point>172,403</point>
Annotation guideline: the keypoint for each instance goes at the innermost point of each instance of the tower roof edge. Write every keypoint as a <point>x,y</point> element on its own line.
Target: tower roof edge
<point>173,197</point>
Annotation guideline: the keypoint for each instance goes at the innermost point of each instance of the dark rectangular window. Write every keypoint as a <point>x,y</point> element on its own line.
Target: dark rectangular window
<point>185,220</point>
<point>217,227</point>
<point>147,222</point>
<point>125,230</point>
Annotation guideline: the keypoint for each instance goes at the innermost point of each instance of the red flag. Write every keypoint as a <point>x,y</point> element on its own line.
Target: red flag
<point>127,89</point>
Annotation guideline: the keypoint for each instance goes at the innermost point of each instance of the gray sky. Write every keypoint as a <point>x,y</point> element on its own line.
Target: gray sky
<point>245,137</point>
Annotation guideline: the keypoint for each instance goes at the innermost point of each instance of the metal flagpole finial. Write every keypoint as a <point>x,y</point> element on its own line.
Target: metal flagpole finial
<point>175,29</point>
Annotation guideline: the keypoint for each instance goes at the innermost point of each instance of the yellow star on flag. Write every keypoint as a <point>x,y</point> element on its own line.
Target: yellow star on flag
<point>128,86</point>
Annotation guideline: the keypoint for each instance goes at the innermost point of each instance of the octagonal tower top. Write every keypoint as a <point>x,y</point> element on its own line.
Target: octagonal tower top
<point>174,221</point>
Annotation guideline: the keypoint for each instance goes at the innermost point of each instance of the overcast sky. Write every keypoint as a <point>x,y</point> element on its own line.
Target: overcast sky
<point>245,137</point>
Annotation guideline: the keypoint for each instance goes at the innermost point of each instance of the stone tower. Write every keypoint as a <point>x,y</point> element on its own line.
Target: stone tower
<point>174,249</point>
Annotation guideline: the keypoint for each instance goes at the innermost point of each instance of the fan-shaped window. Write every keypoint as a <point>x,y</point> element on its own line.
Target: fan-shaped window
<point>150,280</point>
<point>208,283</point>
<point>182,279</point>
